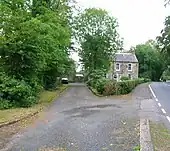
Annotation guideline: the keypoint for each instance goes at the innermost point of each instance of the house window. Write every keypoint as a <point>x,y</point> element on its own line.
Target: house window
<point>117,66</point>
<point>129,67</point>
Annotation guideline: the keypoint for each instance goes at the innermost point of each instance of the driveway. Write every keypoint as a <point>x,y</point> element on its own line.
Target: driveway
<point>161,91</point>
<point>80,121</point>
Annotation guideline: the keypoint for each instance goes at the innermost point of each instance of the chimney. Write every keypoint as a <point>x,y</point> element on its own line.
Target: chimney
<point>132,50</point>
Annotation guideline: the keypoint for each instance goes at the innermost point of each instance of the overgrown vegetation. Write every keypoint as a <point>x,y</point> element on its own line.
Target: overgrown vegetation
<point>34,41</point>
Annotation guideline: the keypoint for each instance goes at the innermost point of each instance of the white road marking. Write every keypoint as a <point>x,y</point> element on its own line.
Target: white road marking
<point>168,118</point>
<point>152,91</point>
<point>159,104</point>
<point>163,111</point>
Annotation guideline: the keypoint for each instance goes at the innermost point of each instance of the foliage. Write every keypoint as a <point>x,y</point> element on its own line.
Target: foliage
<point>96,32</point>
<point>94,76</point>
<point>110,87</point>
<point>34,41</point>
<point>166,75</point>
<point>123,87</point>
<point>164,41</point>
<point>15,92</point>
<point>123,78</point>
<point>136,148</point>
<point>151,61</point>
<point>100,83</point>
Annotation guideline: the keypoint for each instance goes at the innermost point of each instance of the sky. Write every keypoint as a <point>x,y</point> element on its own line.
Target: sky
<point>139,20</point>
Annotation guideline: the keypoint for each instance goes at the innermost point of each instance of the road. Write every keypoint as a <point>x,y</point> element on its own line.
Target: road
<point>80,121</point>
<point>161,91</point>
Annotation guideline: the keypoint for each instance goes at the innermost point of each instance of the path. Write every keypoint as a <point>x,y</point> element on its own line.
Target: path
<point>80,121</point>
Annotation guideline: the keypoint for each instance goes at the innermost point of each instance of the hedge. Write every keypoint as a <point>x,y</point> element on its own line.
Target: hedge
<point>110,87</point>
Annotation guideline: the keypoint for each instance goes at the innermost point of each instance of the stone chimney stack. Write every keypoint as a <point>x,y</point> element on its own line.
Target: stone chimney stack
<point>132,50</point>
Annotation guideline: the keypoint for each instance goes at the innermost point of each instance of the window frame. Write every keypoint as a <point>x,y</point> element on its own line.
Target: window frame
<point>130,66</point>
<point>116,67</point>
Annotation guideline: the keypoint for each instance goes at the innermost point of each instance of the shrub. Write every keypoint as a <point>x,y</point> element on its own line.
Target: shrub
<point>94,76</point>
<point>100,84</point>
<point>16,93</point>
<point>123,87</point>
<point>5,104</point>
<point>124,78</point>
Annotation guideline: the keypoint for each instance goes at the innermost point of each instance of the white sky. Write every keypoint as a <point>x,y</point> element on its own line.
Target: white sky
<point>139,20</point>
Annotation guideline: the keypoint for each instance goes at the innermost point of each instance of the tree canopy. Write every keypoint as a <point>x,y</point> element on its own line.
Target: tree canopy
<point>96,32</point>
<point>35,38</point>
<point>151,61</point>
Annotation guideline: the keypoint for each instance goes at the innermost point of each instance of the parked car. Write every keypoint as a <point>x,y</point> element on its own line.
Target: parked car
<point>64,80</point>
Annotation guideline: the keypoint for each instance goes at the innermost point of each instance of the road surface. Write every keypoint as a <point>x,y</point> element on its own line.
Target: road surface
<point>80,121</point>
<point>161,91</point>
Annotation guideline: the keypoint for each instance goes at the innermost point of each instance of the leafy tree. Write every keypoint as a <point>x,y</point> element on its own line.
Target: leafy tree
<point>34,42</point>
<point>96,32</point>
<point>164,40</point>
<point>151,62</point>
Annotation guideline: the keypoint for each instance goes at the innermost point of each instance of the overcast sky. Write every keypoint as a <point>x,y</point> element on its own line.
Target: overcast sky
<point>139,20</point>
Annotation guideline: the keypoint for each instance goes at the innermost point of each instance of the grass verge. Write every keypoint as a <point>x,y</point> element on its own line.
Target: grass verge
<point>45,97</point>
<point>160,136</point>
<point>94,91</point>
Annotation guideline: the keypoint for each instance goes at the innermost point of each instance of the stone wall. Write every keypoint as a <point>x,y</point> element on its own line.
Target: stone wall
<point>124,70</point>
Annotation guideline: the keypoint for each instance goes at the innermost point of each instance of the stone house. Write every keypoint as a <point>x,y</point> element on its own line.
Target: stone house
<point>124,65</point>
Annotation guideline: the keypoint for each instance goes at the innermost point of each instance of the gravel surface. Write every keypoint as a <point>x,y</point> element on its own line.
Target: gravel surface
<point>80,121</point>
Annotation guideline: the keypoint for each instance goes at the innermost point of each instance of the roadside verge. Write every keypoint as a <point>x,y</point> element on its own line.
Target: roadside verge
<point>145,137</point>
<point>9,117</point>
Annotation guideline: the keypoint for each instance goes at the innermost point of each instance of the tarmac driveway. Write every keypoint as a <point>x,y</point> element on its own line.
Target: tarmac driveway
<point>80,121</point>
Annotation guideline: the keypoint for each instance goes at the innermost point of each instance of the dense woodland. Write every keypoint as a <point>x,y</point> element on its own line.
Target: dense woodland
<point>36,37</point>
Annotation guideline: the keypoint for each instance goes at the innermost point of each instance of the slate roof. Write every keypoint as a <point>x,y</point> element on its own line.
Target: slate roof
<point>126,57</point>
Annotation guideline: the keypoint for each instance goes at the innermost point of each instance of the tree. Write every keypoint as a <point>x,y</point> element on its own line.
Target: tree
<point>164,40</point>
<point>96,32</point>
<point>151,63</point>
<point>35,37</point>
<point>167,2</point>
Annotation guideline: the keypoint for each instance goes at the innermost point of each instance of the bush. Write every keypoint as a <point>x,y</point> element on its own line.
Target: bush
<point>110,87</point>
<point>16,93</point>
<point>124,78</point>
<point>123,87</point>
<point>100,84</point>
<point>94,76</point>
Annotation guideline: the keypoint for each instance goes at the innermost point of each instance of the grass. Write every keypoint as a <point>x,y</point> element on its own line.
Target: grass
<point>136,148</point>
<point>160,136</point>
<point>44,98</point>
